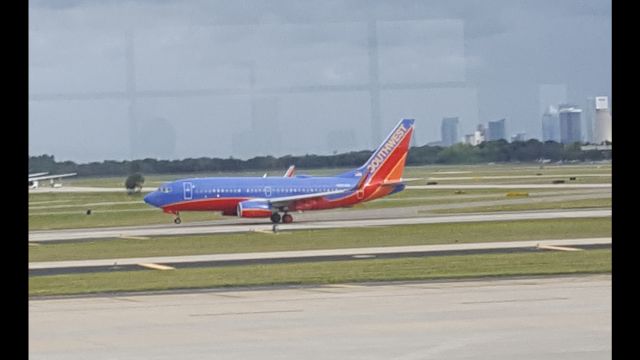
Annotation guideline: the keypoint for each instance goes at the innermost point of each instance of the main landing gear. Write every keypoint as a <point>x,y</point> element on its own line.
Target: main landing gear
<point>275,218</point>
<point>177,219</point>
<point>286,218</point>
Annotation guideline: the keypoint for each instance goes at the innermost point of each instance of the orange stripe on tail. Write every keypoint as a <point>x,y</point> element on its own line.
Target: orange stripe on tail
<point>391,167</point>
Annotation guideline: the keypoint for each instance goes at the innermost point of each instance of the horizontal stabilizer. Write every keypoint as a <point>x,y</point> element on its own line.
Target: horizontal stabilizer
<point>399,181</point>
<point>411,179</point>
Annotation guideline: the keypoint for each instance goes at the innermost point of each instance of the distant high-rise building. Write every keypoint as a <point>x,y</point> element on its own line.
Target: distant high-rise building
<point>477,137</point>
<point>480,134</point>
<point>570,124</point>
<point>469,139</point>
<point>588,120</point>
<point>603,120</point>
<point>551,125</point>
<point>449,131</point>
<point>496,130</point>
<point>550,95</point>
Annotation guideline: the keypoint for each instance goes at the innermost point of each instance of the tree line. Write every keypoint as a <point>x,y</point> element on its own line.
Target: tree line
<point>499,151</point>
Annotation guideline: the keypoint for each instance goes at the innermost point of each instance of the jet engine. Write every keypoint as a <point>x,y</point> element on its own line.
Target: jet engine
<point>254,209</point>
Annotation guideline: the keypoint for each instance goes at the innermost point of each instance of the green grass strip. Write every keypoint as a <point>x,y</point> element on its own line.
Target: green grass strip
<point>439,267</point>
<point>423,234</point>
<point>108,219</point>
<point>559,205</point>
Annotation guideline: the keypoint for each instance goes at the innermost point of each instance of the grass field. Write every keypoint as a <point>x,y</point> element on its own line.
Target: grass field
<point>49,211</point>
<point>559,205</point>
<point>107,219</point>
<point>410,197</point>
<point>391,201</point>
<point>519,181</point>
<point>425,234</point>
<point>449,267</point>
<point>68,210</point>
<point>65,210</point>
<point>425,172</point>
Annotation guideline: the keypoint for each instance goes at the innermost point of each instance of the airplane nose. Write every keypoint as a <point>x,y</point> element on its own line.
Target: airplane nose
<point>152,199</point>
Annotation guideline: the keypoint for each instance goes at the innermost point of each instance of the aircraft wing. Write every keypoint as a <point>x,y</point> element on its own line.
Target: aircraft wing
<point>286,200</point>
<point>37,174</point>
<point>400,181</point>
<point>51,176</point>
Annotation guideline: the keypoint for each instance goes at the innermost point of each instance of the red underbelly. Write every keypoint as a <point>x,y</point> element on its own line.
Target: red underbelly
<point>212,204</point>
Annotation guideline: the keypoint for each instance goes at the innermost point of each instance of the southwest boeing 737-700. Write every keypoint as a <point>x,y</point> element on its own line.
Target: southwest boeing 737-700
<point>268,197</point>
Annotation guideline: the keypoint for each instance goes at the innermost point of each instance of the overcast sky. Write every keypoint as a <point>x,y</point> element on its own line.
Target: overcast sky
<point>114,80</point>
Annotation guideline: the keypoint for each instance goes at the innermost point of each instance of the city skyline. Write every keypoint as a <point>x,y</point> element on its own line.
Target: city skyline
<point>115,81</point>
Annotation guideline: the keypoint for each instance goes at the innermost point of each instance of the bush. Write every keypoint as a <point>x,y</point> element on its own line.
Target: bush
<point>134,183</point>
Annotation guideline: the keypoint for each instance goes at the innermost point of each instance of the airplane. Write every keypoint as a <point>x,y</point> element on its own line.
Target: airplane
<point>268,197</point>
<point>34,179</point>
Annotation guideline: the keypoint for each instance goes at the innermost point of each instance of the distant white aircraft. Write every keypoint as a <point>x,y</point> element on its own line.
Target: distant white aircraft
<point>34,179</point>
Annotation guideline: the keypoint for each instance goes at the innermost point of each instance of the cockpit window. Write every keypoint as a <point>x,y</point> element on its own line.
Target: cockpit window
<point>164,189</point>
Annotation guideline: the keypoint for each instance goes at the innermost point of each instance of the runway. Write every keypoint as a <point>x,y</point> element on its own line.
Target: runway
<point>511,186</point>
<point>368,213</point>
<point>82,189</point>
<point>168,262</point>
<point>517,318</point>
<point>213,228</point>
<point>498,177</point>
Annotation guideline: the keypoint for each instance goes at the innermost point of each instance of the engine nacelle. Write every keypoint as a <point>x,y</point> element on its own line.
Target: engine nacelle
<point>254,209</point>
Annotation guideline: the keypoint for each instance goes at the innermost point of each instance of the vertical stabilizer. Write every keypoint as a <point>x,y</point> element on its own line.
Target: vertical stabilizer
<point>386,164</point>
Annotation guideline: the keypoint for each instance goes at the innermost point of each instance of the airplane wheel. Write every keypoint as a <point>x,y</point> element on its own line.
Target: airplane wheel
<point>177,220</point>
<point>275,218</point>
<point>287,219</point>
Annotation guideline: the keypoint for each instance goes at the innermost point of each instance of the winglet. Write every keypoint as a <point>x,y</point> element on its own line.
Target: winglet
<point>290,171</point>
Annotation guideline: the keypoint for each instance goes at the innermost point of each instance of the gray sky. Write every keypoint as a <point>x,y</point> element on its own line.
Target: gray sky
<point>247,78</point>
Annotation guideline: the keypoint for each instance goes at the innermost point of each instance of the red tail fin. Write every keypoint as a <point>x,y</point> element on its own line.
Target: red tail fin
<point>387,162</point>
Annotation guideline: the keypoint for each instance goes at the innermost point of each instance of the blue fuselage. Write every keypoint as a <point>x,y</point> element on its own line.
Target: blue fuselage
<point>242,188</point>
